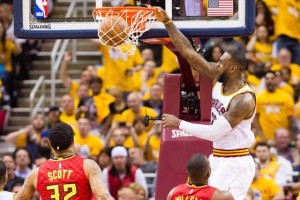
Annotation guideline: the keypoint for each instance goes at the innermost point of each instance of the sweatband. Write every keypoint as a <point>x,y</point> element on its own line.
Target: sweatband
<point>208,132</point>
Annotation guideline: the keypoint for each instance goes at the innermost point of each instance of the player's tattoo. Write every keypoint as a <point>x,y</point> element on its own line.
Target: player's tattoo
<point>95,176</point>
<point>241,107</point>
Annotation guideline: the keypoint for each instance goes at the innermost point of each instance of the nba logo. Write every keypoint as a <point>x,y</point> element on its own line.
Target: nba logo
<point>41,9</point>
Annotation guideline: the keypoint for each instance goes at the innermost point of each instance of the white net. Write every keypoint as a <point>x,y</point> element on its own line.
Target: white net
<point>126,38</point>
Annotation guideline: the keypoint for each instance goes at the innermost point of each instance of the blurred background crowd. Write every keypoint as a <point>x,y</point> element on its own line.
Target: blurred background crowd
<point>106,107</point>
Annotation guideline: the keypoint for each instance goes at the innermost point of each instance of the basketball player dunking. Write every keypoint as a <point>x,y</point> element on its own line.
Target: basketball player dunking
<point>233,109</point>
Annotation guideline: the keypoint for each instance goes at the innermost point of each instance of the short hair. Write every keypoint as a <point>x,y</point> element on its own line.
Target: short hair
<point>96,79</point>
<point>197,165</point>
<point>271,72</point>
<point>82,114</point>
<point>61,136</point>
<point>136,187</point>
<point>239,58</point>
<point>28,152</point>
<point>2,170</point>
<point>125,191</point>
<point>263,144</point>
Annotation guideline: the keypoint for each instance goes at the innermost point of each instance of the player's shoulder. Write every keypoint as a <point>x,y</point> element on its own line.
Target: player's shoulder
<point>245,98</point>
<point>224,195</point>
<point>90,165</point>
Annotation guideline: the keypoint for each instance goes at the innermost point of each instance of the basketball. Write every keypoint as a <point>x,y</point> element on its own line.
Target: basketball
<point>113,30</point>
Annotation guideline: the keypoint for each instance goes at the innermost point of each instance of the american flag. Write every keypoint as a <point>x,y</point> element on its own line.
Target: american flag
<point>220,8</point>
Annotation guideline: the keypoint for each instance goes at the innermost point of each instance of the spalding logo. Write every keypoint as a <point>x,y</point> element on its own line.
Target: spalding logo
<point>180,133</point>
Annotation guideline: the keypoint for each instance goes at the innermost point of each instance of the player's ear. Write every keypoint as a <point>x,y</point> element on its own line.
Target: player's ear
<point>233,68</point>
<point>208,172</point>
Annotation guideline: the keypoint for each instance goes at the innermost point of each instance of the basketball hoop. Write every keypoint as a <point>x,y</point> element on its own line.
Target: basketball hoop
<point>138,20</point>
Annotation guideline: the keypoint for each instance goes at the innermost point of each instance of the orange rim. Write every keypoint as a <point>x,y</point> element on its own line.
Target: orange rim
<point>131,11</point>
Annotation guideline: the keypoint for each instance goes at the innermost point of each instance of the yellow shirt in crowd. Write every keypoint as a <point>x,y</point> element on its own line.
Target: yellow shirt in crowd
<point>266,186</point>
<point>169,60</point>
<point>263,52</point>
<point>288,19</point>
<point>73,92</point>
<point>128,143</point>
<point>128,115</point>
<point>6,55</point>
<point>154,147</point>
<point>270,170</point>
<point>115,66</point>
<point>70,120</point>
<point>274,110</point>
<point>92,141</point>
<point>102,102</point>
<point>295,71</point>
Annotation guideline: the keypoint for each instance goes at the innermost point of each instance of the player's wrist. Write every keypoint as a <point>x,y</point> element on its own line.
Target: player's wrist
<point>167,21</point>
<point>178,123</point>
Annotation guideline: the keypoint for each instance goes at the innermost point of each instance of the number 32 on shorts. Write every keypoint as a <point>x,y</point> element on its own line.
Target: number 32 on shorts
<point>70,189</point>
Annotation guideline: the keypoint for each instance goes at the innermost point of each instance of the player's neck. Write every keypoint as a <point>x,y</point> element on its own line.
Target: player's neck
<point>233,85</point>
<point>197,184</point>
<point>64,154</point>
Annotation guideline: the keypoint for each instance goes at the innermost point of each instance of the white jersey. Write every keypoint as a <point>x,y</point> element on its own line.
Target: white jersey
<point>6,195</point>
<point>241,135</point>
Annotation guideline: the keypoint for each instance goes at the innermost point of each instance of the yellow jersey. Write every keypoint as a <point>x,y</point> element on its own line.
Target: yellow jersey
<point>154,146</point>
<point>128,143</point>
<point>169,60</point>
<point>142,139</point>
<point>288,19</point>
<point>263,52</point>
<point>266,186</point>
<point>270,170</point>
<point>138,79</point>
<point>129,116</point>
<point>6,55</point>
<point>102,102</point>
<point>295,76</point>
<point>274,110</point>
<point>70,120</point>
<point>93,142</point>
<point>115,68</point>
<point>253,82</point>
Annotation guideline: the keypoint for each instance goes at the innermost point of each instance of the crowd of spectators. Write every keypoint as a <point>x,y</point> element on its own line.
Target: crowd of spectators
<point>107,106</point>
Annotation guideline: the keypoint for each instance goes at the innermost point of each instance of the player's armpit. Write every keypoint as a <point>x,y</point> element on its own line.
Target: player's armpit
<point>240,108</point>
<point>28,188</point>
<point>95,179</point>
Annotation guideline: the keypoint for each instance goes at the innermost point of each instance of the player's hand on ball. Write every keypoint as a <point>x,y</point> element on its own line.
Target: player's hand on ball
<point>161,15</point>
<point>170,121</point>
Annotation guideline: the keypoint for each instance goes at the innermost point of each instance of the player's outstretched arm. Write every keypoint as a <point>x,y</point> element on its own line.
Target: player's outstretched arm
<point>224,195</point>
<point>241,107</point>
<point>94,175</point>
<point>28,188</point>
<point>185,48</point>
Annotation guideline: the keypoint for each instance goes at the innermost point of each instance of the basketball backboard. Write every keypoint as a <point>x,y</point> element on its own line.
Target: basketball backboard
<point>207,19</point>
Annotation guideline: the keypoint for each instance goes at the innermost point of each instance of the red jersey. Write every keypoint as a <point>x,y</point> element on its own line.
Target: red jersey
<point>63,179</point>
<point>188,192</point>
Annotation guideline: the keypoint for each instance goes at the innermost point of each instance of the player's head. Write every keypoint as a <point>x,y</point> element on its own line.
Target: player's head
<point>61,137</point>
<point>3,174</point>
<point>232,63</point>
<point>198,169</point>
